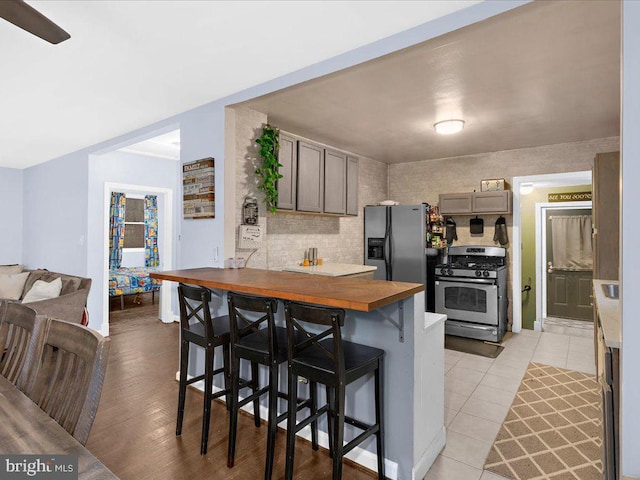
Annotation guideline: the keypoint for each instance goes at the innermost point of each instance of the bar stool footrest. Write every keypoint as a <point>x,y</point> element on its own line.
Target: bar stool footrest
<point>308,420</point>
<point>195,379</point>
<point>252,397</point>
<point>221,393</point>
<point>357,423</point>
<point>360,438</point>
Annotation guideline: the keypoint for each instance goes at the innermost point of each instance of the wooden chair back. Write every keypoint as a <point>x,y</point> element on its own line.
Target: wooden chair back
<point>69,368</point>
<point>21,329</point>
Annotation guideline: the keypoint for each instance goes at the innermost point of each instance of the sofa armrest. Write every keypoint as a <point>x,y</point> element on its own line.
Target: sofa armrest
<point>69,307</point>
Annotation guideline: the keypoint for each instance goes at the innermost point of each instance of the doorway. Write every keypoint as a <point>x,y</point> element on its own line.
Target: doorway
<point>568,259</point>
<point>165,232</point>
<point>529,192</point>
<point>564,270</point>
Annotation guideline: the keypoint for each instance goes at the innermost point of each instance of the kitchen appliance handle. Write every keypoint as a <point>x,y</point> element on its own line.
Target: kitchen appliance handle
<point>466,280</point>
<point>476,327</point>
<point>390,269</point>
<point>384,245</point>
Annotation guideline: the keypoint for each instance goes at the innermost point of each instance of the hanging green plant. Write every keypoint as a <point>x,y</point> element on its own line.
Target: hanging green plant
<point>268,172</point>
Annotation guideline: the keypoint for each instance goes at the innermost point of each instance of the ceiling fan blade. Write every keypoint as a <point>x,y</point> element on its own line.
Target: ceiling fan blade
<point>31,20</point>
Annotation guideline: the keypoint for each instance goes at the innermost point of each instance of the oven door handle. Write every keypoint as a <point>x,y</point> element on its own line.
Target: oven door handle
<point>475,327</point>
<point>465,280</point>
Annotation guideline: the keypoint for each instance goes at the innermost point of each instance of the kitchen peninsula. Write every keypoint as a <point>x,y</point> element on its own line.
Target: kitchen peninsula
<point>387,315</point>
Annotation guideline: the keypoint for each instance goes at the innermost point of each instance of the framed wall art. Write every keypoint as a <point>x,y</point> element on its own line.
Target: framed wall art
<point>198,189</point>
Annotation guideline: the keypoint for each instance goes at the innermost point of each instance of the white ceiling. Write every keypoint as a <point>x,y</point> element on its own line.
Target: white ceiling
<point>131,63</point>
<point>542,74</point>
<point>166,146</point>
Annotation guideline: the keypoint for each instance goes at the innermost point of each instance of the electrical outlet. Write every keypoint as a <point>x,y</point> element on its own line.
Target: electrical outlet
<point>215,255</point>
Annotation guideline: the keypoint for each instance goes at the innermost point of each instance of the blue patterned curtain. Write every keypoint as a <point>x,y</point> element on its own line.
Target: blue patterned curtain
<point>151,257</point>
<point>116,229</point>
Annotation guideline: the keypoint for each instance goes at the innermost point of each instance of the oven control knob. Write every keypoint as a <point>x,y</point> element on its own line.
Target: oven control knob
<point>478,273</point>
<point>449,272</point>
<point>443,271</point>
<point>485,273</point>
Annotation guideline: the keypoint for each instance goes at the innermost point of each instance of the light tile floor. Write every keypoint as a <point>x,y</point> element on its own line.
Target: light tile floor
<point>479,392</point>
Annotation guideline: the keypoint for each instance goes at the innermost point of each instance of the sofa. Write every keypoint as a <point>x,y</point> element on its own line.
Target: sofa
<point>69,305</point>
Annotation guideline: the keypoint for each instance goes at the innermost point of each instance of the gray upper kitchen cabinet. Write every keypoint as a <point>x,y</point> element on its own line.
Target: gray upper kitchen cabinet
<point>352,185</point>
<point>316,178</point>
<point>288,158</point>
<point>455,203</point>
<point>475,202</point>
<point>491,202</point>
<point>310,185</point>
<point>606,216</point>
<point>335,182</point>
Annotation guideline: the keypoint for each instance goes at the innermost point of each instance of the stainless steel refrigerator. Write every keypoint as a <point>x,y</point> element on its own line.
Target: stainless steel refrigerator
<point>394,241</point>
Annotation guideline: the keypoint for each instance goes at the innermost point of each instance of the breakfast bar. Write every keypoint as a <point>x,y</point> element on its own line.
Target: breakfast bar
<point>382,314</point>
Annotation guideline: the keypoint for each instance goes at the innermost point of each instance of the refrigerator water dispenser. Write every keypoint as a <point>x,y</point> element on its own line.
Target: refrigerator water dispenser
<point>375,249</point>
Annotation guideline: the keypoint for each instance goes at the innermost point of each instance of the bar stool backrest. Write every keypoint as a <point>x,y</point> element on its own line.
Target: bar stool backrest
<point>241,306</point>
<point>194,304</point>
<point>69,369</point>
<point>20,331</point>
<point>300,339</point>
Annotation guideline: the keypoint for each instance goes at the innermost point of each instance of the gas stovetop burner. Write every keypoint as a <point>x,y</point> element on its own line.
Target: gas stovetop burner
<point>473,262</point>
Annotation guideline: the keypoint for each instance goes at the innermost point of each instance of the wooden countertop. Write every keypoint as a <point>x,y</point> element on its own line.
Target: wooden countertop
<point>331,269</point>
<point>609,313</point>
<point>351,293</point>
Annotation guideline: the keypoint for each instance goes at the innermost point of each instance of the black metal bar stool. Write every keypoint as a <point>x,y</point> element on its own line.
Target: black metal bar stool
<point>255,337</point>
<point>197,326</point>
<point>335,363</point>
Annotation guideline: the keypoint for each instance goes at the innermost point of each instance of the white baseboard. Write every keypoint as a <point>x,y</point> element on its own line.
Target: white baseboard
<point>430,455</point>
<point>537,326</point>
<point>358,455</point>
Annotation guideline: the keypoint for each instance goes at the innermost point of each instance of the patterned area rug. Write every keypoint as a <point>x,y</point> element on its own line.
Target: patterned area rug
<point>553,429</point>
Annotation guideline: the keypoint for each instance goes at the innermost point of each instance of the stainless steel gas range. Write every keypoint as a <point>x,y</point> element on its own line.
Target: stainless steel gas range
<point>471,289</point>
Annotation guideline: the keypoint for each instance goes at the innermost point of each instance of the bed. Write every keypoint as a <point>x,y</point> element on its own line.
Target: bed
<point>132,281</point>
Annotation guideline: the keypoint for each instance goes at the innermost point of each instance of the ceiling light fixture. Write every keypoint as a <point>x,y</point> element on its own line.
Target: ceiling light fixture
<point>447,127</point>
<point>526,188</point>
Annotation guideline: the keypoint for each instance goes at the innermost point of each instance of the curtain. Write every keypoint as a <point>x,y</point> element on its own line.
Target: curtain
<point>151,257</point>
<point>571,242</point>
<point>116,229</point>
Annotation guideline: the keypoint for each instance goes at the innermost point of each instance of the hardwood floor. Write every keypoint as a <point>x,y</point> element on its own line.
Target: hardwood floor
<point>134,430</point>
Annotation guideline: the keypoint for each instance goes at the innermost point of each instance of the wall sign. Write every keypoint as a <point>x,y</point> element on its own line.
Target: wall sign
<point>198,189</point>
<point>570,197</point>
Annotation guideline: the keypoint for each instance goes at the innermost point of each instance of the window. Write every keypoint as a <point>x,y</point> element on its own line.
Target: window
<point>134,223</point>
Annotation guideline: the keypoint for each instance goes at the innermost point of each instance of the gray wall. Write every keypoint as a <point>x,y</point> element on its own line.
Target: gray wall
<point>629,254</point>
<point>11,215</point>
<point>55,220</point>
